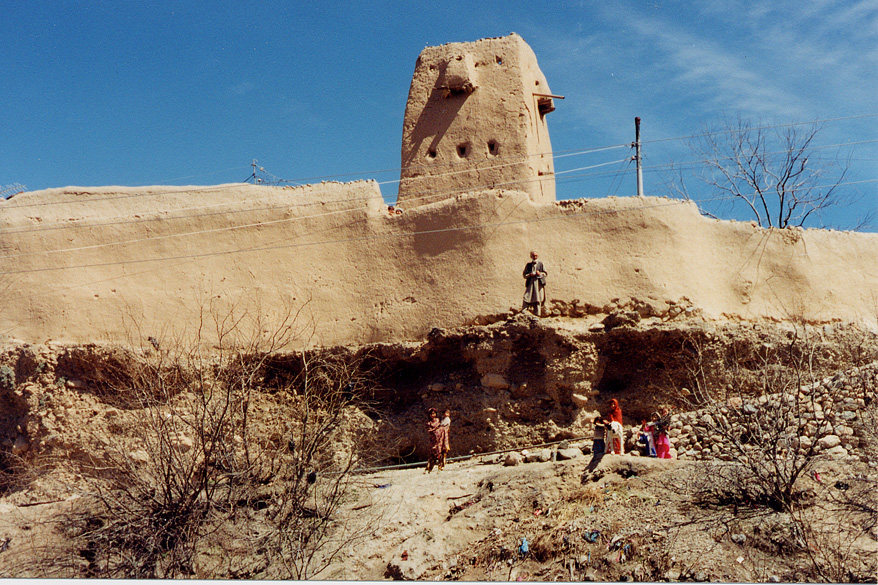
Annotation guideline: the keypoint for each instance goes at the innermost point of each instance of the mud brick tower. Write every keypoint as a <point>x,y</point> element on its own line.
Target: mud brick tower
<point>476,119</point>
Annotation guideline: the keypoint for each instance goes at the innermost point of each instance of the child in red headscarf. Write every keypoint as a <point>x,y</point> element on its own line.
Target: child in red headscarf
<point>616,415</point>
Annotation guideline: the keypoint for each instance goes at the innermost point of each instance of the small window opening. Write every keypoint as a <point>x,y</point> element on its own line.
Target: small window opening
<point>493,147</point>
<point>463,150</point>
<point>499,60</point>
<point>431,152</point>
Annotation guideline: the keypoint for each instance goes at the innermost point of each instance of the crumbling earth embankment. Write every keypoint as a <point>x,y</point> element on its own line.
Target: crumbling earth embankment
<point>517,382</point>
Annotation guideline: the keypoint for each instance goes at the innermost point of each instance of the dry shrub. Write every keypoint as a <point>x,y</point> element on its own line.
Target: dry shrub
<point>762,414</point>
<point>222,468</point>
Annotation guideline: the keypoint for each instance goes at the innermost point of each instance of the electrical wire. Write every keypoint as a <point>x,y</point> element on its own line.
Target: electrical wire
<point>576,152</point>
<point>343,240</point>
<point>611,192</point>
<point>559,154</point>
<point>644,168</point>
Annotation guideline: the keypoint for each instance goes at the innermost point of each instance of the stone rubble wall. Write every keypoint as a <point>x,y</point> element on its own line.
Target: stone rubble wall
<point>837,400</point>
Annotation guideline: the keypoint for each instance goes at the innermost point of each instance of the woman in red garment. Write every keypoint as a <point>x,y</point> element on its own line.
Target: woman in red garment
<point>616,415</point>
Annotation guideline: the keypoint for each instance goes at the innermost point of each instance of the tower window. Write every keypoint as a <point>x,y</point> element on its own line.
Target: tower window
<point>493,147</point>
<point>463,150</point>
<point>431,152</point>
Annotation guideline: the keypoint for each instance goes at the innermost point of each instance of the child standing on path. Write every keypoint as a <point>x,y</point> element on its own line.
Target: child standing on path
<point>435,431</point>
<point>598,443</point>
<point>446,440</point>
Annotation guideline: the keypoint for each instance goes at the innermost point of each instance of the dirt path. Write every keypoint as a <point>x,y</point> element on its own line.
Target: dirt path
<point>431,522</point>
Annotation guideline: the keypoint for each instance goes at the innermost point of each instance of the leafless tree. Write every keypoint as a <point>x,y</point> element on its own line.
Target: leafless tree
<point>780,173</point>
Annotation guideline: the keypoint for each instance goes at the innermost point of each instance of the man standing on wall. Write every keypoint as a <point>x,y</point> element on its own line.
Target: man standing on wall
<point>535,286</point>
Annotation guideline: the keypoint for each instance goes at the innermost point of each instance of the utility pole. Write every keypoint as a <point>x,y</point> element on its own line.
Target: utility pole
<point>637,157</point>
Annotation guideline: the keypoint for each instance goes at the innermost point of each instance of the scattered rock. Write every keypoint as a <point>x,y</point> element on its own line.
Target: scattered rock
<point>495,381</point>
<point>540,456</point>
<point>513,459</point>
<point>182,442</point>
<point>837,452</point>
<point>621,319</point>
<point>569,453</point>
<point>579,400</point>
<point>139,455</point>
<point>20,446</point>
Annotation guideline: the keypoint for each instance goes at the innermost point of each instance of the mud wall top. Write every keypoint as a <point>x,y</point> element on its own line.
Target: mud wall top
<point>118,263</point>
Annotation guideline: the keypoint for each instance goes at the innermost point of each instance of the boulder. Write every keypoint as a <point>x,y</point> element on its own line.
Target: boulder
<point>579,400</point>
<point>513,459</point>
<point>139,455</point>
<point>842,430</point>
<point>540,456</point>
<point>20,446</point>
<point>621,319</point>
<point>495,381</point>
<point>837,452</point>
<point>568,453</point>
<point>672,575</point>
<point>829,441</point>
<point>850,442</point>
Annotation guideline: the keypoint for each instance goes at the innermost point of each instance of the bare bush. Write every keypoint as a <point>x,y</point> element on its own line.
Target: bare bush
<point>776,422</point>
<point>842,529</point>
<point>225,461</point>
<point>765,423</point>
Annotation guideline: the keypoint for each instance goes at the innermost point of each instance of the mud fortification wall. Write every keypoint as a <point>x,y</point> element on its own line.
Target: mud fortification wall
<point>111,263</point>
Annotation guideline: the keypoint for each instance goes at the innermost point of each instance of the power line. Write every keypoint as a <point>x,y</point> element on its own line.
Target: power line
<point>517,161</point>
<point>768,127</point>
<point>428,194</point>
<point>670,202</point>
<point>345,240</point>
<point>576,152</point>
<point>243,226</point>
<point>556,154</point>
<point>474,187</point>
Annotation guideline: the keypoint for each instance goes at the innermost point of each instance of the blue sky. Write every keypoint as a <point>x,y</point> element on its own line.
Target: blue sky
<point>189,93</point>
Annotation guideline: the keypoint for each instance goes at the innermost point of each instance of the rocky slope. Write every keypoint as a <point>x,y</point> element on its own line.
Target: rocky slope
<point>516,384</point>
